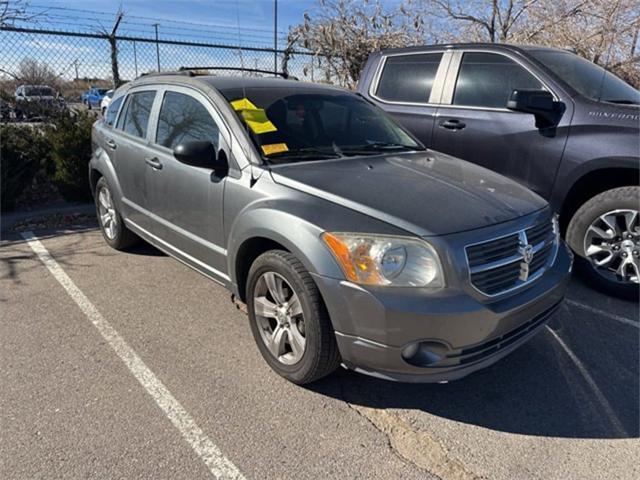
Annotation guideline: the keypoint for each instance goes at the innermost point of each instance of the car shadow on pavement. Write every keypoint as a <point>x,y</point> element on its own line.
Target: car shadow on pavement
<point>578,378</point>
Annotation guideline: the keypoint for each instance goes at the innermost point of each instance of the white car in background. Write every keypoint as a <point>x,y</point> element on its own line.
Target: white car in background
<point>106,100</point>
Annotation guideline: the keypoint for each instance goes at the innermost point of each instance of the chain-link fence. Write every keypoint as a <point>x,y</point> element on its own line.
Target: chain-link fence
<point>70,62</point>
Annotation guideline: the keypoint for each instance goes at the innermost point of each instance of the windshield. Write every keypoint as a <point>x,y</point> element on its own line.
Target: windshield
<point>294,124</point>
<point>587,78</point>
<point>39,92</point>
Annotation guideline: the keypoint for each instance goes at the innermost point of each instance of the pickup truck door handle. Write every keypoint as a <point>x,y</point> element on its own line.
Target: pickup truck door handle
<point>111,144</point>
<point>153,162</point>
<point>452,124</point>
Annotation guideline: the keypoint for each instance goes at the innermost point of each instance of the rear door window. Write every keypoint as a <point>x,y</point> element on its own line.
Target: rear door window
<point>487,80</point>
<point>408,78</point>
<point>135,119</point>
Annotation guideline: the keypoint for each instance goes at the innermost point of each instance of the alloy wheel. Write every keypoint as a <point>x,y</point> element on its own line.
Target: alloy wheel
<point>280,318</point>
<point>612,244</point>
<point>107,213</point>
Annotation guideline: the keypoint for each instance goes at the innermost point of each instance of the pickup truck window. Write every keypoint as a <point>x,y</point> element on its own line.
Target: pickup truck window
<point>408,78</point>
<point>587,78</point>
<point>183,118</point>
<point>487,80</point>
<point>136,116</point>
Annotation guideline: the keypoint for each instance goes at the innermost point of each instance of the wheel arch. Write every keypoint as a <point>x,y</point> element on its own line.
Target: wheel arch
<point>263,229</point>
<point>594,182</point>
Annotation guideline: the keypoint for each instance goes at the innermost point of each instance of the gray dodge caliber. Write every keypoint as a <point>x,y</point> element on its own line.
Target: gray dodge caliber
<point>348,241</point>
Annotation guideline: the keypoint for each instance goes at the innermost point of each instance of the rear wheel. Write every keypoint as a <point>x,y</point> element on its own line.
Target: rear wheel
<point>288,319</point>
<point>605,235</point>
<point>114,231</point>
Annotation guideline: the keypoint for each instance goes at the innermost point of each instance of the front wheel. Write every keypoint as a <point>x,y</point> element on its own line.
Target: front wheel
<point>605,235</point>
<point>288,319</point>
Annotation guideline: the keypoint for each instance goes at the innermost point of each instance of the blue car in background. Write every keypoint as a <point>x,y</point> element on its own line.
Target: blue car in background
<point>93,97</point>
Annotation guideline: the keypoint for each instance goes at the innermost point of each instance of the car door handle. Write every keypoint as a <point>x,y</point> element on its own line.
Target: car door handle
<point>111,144</point>
<point>452,124</point>
<point>154,163</point>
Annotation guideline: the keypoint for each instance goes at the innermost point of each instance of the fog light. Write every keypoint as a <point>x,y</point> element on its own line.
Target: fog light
<point>424,354</point>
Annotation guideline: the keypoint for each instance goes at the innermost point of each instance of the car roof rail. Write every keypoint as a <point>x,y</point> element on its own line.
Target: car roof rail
<point>284,75</point>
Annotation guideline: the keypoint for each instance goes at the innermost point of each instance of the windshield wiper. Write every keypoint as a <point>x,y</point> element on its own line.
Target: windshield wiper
<point>622,102</point>
<point>377,147</point>
<point>307,153</point>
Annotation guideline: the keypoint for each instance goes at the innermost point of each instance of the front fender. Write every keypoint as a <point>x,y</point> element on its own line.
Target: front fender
<point>299,236</point>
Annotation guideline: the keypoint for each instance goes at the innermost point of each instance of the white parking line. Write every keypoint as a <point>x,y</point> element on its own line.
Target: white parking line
<point>604,403</point>
<point>604,313</point>
<point>220,466</point>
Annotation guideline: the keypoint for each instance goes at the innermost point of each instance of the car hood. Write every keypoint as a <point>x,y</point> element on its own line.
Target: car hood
<point>425,193</point>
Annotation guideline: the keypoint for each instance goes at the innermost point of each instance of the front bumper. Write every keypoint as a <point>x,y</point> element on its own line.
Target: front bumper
<point>415,335</point>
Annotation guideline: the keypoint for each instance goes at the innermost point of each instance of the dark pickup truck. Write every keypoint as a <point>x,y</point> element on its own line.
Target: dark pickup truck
<point>547,118</point>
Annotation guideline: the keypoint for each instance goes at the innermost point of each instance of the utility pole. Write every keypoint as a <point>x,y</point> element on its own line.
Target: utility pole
<point>157,46</point>
<point>275,36</point>
<point>75,65</point>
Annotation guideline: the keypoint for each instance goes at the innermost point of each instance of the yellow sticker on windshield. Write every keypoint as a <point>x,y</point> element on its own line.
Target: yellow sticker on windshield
<point>274,148</point>
<point>254,117</point>
<point>243,104</point>
<point>258,121</point>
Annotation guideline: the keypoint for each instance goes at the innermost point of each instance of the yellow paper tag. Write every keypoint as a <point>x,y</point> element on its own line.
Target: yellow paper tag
<point>243,104</point>
<point>255,118</point>
<point>274,148</point>
<point>258,121</point>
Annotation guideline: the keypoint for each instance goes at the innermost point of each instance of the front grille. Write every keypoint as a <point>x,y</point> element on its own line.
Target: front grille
<point>498,265</point>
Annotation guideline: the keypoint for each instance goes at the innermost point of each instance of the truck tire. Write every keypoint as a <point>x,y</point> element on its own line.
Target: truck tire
<point>604,233</point>
<point>289,320</point>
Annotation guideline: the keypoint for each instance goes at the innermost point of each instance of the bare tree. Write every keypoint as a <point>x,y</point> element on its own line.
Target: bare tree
<point>604,32</point>
<point>12,11</point>
<point>113,44</point>
<point>33,72</point>
<point>342,34</point>
<point>484,20</point>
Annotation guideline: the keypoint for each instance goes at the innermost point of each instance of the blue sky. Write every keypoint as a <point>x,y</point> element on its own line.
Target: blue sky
<point>252,13</point>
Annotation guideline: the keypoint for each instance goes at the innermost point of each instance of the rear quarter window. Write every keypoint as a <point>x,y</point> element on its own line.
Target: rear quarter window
<point>112,111</point>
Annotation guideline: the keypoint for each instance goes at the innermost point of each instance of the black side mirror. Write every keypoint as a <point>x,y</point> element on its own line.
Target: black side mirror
<point>200,153</point>
<point>539,103</point>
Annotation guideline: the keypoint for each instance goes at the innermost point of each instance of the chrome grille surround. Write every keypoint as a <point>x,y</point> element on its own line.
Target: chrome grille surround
<point>496,265</point>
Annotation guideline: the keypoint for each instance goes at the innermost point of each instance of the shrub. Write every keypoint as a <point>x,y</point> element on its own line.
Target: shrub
<point>24,151</point>
<point>70,138</point>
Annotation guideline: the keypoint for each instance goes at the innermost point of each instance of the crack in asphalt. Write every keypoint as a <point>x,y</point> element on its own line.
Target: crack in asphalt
<point>412,446</point>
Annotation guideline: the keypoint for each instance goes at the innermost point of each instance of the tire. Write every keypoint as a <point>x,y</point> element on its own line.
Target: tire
<point>609,205</point>
<point>320,355</point>
<point>104,110</point>
<point>120,237</point>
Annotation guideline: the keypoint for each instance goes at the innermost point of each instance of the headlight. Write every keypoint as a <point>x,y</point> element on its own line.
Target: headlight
<point>379,260</point>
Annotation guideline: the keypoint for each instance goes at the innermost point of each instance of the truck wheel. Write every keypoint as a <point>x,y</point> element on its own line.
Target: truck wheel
<point>114,231</point>
<point>605,235</point>
<point>289,320</point>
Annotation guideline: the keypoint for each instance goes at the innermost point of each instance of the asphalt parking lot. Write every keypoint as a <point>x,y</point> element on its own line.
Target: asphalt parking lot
<point>131,365</point>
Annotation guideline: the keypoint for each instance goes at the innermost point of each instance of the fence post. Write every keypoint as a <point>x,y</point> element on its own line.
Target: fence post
<point>157,46</point>
<point>114,50</point>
